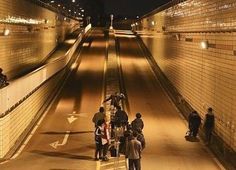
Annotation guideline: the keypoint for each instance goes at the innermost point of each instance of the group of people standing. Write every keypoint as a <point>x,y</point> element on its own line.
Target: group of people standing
<point>132,141</point>
<point>194,122</point>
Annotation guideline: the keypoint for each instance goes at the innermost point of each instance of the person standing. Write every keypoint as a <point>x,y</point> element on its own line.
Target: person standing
<point>133,153</point>
<point>120,118</point>
<point>98,140</point>
<point>137,123</point>
<point>105,137</point>
<point>209,124</point>
<point>98,116</point>
<point>194,123</point>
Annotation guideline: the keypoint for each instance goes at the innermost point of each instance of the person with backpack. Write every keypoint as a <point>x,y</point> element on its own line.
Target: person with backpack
<point>209,124</point>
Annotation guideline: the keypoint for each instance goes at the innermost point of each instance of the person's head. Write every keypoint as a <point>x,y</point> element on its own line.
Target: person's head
<point>209,109</point>
<point>100,122</point>
<point>101,109</point>
<point>138,115</point>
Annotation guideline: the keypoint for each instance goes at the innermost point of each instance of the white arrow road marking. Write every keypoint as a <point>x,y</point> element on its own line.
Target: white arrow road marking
<point>71,119</point>
<point>56,144</point>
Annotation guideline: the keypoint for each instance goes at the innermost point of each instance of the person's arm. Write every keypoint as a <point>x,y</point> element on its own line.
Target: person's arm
<point>109,98</point>
<point>94,118</point>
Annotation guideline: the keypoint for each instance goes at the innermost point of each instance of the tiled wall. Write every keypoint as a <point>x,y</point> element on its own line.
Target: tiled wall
<point>14,124</point>
<point>204,77</point>
<point>34,33</point>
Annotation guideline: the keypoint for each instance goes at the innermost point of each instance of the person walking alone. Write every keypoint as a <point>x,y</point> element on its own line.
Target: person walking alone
<point>209,124</point>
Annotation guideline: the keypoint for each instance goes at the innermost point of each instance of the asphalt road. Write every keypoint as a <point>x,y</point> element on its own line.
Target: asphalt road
<point>64,140</point>
<point>164,128</point>
<point>79,100</point>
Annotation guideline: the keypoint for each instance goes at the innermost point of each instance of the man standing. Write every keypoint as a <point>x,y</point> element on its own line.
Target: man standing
<point>194,123</point>
<point>137,123</point>
<point>121,118</point>
<point>133,153</point>
<point>98,116</point>
<point>209,124</point>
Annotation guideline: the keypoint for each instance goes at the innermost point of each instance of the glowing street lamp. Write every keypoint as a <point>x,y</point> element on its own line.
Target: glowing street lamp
<point>111,16</point>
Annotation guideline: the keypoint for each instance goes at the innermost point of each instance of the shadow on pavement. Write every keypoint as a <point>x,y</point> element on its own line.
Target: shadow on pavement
<point>64,155</point>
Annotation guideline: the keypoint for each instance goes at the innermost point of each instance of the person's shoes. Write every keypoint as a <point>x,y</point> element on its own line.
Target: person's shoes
<point>105,158</point>
<point>96,159</point>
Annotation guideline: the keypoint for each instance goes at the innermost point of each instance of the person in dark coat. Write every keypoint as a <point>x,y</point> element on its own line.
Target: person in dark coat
<point>137,123</point>
<point>209,124</point>
<point>194,123</point>
<point>120,118</point>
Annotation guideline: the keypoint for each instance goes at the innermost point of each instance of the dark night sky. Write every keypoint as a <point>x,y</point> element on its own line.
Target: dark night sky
<point>132,7</point>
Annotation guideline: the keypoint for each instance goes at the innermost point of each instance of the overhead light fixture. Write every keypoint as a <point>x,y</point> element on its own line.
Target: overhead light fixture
<point>6,32</point>
<point>177,37</point>
<point>204,44</point>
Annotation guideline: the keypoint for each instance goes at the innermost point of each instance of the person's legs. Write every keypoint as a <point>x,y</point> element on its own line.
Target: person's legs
<point>137,164</point>
<point>105,149</point>
<point>96,152</point>
<point>131,164</point>
<point>208,135</point>
<point>195,131</point>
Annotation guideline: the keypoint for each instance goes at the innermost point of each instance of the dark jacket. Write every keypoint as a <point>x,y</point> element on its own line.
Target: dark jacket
<point>209,121</point>
<point>137,124</point>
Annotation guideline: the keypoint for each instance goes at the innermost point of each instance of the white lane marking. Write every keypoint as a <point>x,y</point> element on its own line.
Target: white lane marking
<point>98,165</point>
<point>71,119</point>
<point>111,163</point>
<point>65,139</point>
<point>121,167</point>
<point>4,162</point>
